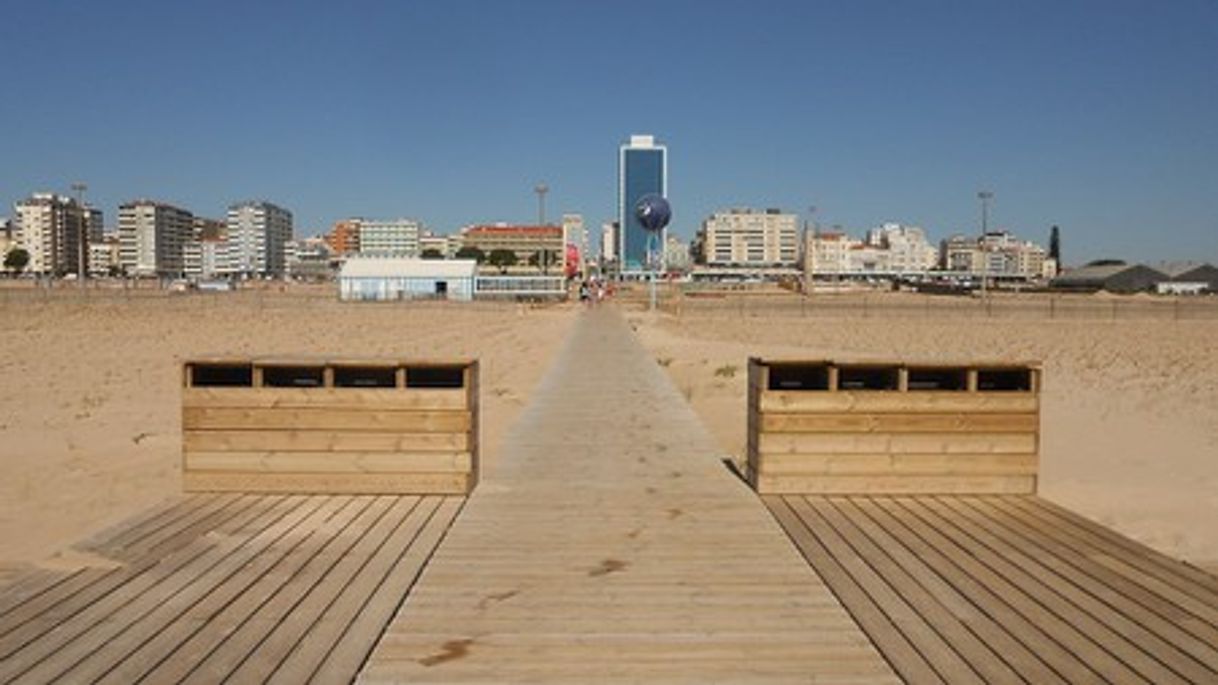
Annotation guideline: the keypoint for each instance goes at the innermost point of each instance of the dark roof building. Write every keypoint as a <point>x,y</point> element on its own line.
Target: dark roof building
<point>1191,272</point>
<point>1115,278</point>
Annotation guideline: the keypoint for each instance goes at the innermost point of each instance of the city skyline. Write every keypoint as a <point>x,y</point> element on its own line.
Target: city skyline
<point>1098,117</point>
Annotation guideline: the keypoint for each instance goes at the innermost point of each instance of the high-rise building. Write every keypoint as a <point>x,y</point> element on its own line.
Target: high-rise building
<point>152,238</point>
<point>343,238</point>
<point>574,233</point>
<point>258,234</point>
<point>609,231</point>
<point>389,238</point>
<point>751,238</point>
<point>55,230</point>
<point>642,170</point>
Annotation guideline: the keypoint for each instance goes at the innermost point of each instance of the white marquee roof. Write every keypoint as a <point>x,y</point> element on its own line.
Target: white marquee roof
<point>401,267</point>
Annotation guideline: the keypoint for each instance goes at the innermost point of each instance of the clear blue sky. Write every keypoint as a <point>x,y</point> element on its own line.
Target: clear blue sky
<point>1098,116</point>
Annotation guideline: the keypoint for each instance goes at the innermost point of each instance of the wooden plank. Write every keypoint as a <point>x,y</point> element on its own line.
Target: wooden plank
<point>29,585</point>
<point>354,639</point>
<point>1166,639</point>
<point>321,441</point>
<point>234,632</point>
<point>168,507</point>
<point>325,419</point>
<point>329,483</point>
<point>780,401</point>
<point>893,644</point>
<point>214,588</point>
<point>778,464</point>
<point>39,647</point>
<point>118,538</point>
<point>338,398</point>
<point>1114,657</point>
<point>912,484</point>
<point>184,531</point>
<point>897,443</point>
<point>899,583</point>
<point>297,638</point>
<point>951,422</point>
<point>331,462</point>
<point>1001,646</point>
<point>1090,534</point>
<point>1025,620</point>
<point>912,624</point>
<point>1111,563</point>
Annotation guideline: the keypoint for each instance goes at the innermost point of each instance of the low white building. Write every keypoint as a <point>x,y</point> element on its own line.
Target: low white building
<point>396,278</point>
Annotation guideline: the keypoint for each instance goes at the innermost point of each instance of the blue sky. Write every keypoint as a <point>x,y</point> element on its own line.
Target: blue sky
<point>1101,117</point>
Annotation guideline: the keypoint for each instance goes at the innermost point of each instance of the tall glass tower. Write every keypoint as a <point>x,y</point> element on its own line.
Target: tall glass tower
<point>642,168</point>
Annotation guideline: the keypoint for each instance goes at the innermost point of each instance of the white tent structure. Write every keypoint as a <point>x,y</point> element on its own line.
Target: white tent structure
<point>396,278</point>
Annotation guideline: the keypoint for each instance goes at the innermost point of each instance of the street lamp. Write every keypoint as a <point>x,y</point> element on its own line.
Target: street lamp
<point>985,196</point>
<point>541,189</point>
<point>82,243</point>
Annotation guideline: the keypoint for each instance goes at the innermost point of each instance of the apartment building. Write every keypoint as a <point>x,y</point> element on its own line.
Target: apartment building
<point>750,238</point>
<point>152,238</point>
<point>258,233</point>
<point>55,231</point>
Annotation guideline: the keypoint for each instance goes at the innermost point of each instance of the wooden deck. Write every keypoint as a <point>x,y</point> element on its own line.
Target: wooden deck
<point>224,587</point>
<point>1007,589</point>
<point>608,543</point>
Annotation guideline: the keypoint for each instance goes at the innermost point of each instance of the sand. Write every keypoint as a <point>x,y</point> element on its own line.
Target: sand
<point>1129,412</point>
<point>90,414</point>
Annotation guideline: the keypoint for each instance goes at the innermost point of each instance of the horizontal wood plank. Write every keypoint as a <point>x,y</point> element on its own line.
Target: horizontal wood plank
<point>330,462</point>
<point>904,484</point>
<point>899,464</point>
<point>324,418</point>
<point>321,441</point>
<point>897,443</point>
<point>329,483</point>
<point>365,398</point>
<point>902,402</point>
<point>950,422</point>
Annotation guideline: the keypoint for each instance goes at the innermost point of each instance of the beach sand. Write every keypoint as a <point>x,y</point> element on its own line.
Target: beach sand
<point>1129,410</point>
<point>90,413</point>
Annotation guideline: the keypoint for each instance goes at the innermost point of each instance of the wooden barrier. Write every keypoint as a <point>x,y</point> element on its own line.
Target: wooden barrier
<point>877,428</point>
<point>339,427</point>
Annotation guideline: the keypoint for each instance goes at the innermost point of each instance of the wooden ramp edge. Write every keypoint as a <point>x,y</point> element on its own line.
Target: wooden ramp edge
<point>978,589</point>
<point>233,588</point>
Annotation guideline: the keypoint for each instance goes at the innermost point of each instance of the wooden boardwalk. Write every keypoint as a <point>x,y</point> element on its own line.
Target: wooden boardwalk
<point>607,542</point>
<point>236,588</point>
<point>1007,589</point>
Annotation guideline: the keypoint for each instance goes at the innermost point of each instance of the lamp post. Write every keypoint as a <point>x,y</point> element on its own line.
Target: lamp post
<point>985,196</point>
<point>82,238</point>
<point>541,189</point>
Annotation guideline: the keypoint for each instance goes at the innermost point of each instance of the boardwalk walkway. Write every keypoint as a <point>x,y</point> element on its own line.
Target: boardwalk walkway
<point>608,542</point>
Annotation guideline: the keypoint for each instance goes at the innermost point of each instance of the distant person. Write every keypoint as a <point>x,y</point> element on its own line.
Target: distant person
<point>584,292</point>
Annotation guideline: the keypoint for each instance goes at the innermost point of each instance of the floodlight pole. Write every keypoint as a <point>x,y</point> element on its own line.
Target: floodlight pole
<point>985,196</point>
<point>82,238</point>
<point>541,189</point>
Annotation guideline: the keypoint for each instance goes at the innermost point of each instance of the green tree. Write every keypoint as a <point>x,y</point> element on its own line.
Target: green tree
<point>432,253</point>
<point>471,252</point>
<point>16,260</point>
<point>502,259</point>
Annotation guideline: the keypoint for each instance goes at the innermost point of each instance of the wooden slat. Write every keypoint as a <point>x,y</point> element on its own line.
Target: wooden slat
<point>339,398</point>
<point>899,583</point>
<point>1092,535</point>
<point>330,462</point>
<point>321,441</point>
<point>324,419</point>
<point>1108,652</point>
<point>780,464</point>
<point>1026,620</point>
<point>41,645</point>
<point>897,443</point>
<point>220,583</point>
<point>166,521</point>
<point>328,483</point>
<point>172,653</point>
<point>912,484</point>
<point>281,637</point>
<point>779,401</point>
<point>338,643</point>
<point>892,643</point>
<point>899,423</point>
<point>1194,657</point>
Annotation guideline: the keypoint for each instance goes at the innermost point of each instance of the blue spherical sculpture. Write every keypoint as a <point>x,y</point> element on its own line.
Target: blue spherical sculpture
<point>653,212</point>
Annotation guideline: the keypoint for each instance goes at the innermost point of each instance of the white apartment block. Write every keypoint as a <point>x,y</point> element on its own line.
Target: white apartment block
<point>908,250</point>
<point>751,237</point>
<point>445,245</point>
<point>51,228</point>
<point>390,238</point>
<point>152,238</point>
<point>997,253</point>
<point>676,254</point>
<point>258,233</point>
<point>104,256</point>
<point>609,241</point>
<point>828,253</point>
